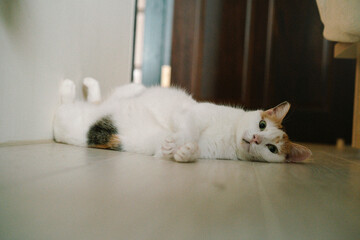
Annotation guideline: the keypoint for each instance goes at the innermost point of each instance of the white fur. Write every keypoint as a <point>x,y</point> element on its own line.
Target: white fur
<point>165,123</point>
<point>93,90</point>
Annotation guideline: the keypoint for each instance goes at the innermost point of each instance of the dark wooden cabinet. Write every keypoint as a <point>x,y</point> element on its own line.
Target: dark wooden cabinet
<point>258,53</point>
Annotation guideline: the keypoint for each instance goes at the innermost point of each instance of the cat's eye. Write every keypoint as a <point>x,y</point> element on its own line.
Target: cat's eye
<point>262,125</point>
<point>272,148</point>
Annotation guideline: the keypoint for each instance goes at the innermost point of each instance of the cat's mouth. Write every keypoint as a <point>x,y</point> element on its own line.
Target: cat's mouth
<point>247,144</point>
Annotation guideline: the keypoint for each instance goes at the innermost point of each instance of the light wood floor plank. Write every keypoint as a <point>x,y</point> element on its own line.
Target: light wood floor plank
<point>55,191</point>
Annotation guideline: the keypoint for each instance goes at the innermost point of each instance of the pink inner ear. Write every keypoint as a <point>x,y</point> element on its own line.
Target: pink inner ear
<point>270,111</point>
<point>280,111</point>
<point>298,153</point>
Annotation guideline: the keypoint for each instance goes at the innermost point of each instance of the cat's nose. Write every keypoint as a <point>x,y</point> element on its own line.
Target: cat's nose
<point>256,139</point>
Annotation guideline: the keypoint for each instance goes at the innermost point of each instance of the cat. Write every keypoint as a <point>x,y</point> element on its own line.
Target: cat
<point>169,123</point>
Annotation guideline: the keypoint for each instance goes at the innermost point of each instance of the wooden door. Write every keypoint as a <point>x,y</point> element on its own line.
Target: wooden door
<point>256,54</point>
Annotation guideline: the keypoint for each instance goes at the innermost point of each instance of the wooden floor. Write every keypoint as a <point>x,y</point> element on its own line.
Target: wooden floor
<point>55,191</point>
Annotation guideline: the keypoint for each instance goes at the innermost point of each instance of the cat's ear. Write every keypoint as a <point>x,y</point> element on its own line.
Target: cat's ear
<point>280,111</point>
<point>298,153</point>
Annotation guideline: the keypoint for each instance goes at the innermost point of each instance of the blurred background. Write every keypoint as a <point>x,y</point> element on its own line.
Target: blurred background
<point>42,42</point>
<point>250,53</point>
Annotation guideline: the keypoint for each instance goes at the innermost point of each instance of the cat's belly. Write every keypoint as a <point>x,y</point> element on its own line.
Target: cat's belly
<point>140,132</point>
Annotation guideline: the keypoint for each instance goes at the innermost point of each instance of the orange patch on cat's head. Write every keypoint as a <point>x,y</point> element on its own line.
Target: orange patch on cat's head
<point>286,146</point>
<point>286,143</point>
<point>266,115</point>
<point>277,114</point>
<point>293,152</point>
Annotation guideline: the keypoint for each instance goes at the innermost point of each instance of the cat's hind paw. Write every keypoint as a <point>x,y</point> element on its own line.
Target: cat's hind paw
<point>67,91</point>
<point>187,153</point>
<point>92,89</point>
<point>168,148</point>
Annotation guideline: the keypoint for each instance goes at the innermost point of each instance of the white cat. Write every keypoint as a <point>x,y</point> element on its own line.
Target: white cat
<point>168,123</point>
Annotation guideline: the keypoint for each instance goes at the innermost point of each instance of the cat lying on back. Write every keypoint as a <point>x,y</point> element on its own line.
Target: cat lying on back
<point>168,123</point>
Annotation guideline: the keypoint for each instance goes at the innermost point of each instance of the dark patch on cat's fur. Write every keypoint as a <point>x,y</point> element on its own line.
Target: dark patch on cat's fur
<point>102,134</point>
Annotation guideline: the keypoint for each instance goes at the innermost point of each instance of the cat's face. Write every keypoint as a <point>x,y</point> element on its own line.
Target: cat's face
<point>264,139</point>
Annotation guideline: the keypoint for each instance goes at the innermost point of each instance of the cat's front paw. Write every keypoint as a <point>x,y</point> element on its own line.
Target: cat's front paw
<point>168,148</point>
<point>67,91</point>
<point>187,153</point>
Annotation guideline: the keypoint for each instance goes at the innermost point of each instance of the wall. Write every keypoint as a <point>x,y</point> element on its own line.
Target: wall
<point>42,42</point>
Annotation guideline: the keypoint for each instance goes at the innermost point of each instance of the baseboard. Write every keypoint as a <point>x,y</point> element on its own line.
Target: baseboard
<point>30,142</point>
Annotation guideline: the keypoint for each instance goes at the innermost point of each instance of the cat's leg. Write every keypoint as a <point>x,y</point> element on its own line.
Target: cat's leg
<point>69,125</point>
<point>67,91</point>
<point>182,145</point>
<point>124,92</point>
<point>129,90</point>
<point>93,90</point>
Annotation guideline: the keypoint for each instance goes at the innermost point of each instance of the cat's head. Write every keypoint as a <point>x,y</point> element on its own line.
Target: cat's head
<point>265,140</point>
